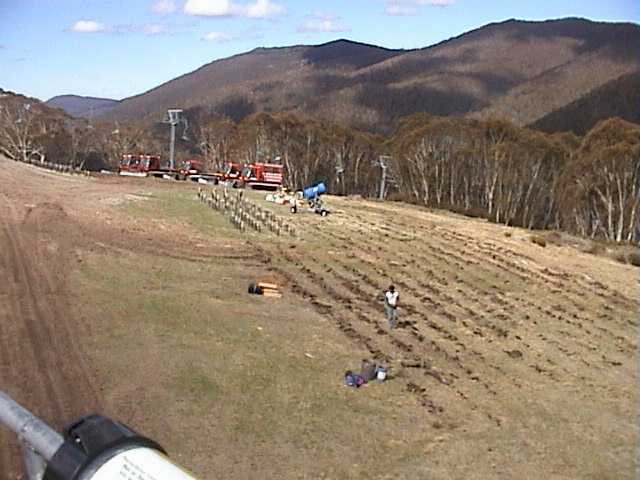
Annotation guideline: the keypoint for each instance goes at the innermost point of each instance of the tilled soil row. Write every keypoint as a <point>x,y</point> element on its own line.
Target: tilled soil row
<point>346,316</point>
<point>415,355</point>
<point>568,283</point>
<point>427,348</point>
<point>580,320</point>
<point>514,312</point>
<point>475,355</point>
<point>554,364</point>
<point>571,288</point>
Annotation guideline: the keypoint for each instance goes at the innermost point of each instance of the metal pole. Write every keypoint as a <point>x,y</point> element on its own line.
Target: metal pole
<point>30,429</point>
<point>636,227</point>
<point>383,180</point>
<point>34,464</point>
<point>172,148</point>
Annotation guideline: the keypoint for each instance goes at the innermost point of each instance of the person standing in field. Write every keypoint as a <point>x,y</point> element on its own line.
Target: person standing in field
<point>391,298</point>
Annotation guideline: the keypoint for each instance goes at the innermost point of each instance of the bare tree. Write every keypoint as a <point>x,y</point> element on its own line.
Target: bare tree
<point>19,129</point>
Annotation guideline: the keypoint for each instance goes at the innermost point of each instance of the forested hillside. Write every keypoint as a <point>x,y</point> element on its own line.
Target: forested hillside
<point>30,130</point>
<point>521,71</point>
<point>78,106</point>
<point>488,168</point>
<point>618,98</point>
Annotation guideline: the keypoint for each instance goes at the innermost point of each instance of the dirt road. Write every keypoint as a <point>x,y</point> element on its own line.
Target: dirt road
<point>45,218</point>
<point>40,363</point>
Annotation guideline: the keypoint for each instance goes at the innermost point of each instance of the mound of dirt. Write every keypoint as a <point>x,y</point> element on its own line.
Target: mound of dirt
<point>45,217</point>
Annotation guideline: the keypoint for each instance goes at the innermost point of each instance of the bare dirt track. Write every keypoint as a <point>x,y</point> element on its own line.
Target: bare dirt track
<point>43,224</point>
<point>49,222</point>
<point>515,361</point>
<point>41,364</point>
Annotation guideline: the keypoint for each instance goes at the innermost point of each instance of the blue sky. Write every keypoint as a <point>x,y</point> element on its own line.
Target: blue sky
<point>119,48</point>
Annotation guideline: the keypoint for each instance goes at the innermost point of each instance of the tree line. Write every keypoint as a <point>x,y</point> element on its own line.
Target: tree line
<point>586,185</point>
<point>516,176</point>
<point>521,177</point>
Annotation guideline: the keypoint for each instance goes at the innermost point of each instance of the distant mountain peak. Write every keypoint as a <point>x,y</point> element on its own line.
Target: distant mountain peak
<point>84,97</point>
<point>341,42</point>
<point>81,106</point>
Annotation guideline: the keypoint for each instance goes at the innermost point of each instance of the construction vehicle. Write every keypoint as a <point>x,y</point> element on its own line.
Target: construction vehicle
<point>92,448</point>
<point>312,197</point>
<point>129,165</point>
<point>142,165</point>
<point>190,168</point>
<point>231,174</point>
<point>261,176</point>
<point>193,170</point>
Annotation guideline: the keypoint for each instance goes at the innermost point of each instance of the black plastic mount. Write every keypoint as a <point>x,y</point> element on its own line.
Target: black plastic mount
<point>89,438</point>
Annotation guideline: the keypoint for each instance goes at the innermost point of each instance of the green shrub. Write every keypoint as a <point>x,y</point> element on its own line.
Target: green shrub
<point>538,240</point>
<point>554,237</point>
<point>634,259</point>
<point>621,257</point>
<point>596,248</point>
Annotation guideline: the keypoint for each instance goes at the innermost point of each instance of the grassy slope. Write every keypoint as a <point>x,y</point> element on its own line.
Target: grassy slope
<point>221,378</point>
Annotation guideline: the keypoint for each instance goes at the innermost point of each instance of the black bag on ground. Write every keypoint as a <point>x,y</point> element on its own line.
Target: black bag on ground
<point>368,370</point>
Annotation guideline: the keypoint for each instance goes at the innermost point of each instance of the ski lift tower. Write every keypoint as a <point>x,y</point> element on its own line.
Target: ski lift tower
<point>383,163</point>
<point>174,117</point>
<point>340,175</point>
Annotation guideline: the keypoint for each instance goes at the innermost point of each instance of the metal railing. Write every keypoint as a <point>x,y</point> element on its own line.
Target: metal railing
<point>39,442</point>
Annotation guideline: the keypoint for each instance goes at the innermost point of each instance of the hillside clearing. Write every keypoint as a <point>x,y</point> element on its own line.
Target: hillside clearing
<point>512,360</point>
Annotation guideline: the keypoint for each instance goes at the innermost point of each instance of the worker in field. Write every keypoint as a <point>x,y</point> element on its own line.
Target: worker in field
<point>391,298</point>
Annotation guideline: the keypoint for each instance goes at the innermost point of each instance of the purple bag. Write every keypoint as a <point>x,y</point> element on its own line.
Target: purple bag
<point>353,380</point>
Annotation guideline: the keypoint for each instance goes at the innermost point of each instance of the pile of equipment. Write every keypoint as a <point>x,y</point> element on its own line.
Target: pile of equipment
<point>369,371</point>
<point>265,289</point>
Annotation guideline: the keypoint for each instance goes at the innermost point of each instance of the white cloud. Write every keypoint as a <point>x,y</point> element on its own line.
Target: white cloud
<point>218,37</point>
<point>164,7</point>
<point>410,7</point>
<point>88,26</point>
<point>398,9</point>
<point>322,23</point>
<point>227,8</point>
<point>263,9</point>
<point>155,29</point>
<point>210,8</point>
<point>436,3</point>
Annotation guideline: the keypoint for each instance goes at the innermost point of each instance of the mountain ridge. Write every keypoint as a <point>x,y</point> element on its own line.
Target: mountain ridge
<point>500,69</point>
<point>82,106</point>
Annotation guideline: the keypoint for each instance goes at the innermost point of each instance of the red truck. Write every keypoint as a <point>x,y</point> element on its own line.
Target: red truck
<point>190,168</point>
<point>143,166</point>
<point>262,176</point>
<point>194,170</point>
<point>258,176</point>
<point>232,173</point>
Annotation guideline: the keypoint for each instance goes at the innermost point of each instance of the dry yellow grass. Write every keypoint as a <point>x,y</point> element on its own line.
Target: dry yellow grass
<point>511,361</point>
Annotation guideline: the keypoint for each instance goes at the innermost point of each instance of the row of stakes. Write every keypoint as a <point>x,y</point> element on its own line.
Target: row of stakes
<point>57,167</point>
<point>243,213</point>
